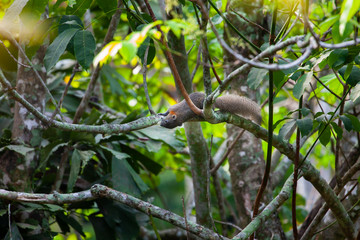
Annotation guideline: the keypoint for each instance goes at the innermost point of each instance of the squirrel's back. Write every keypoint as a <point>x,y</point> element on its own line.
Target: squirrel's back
<point>179,113</point>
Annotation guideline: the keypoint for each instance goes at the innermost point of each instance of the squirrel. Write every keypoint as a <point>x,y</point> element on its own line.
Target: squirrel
<point>179,113</point>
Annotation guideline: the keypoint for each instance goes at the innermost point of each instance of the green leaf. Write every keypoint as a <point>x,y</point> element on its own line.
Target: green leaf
<point>286,129</point>
<point>354,76</point>
<point>115,86</point>
<point>337,58</point>
<point>354,121</point>
<point>47,151</point>
<point>165,135</point>
<point>337,36</point>
<point>78,158</point>
<point>305,125</point>
<point>325,136</point>
<point>355,93</point>
<point>348,10</point>
<point>128,51</point>
<point>149,164</point>
<point>123,177</point>
<point>148,42</point>
<point>21,149</point>
<point>57,48</point>
<point>337,129</point>
<point>84,47</point>
<point>301,84</point>
<point>305,111</point>
<point>14,234</point>
<point>79,8</point>
<point>279,79</point>
<point>116,154</point>
<point>256,76</point>
<point>28,226</point>
<point>34,8</point>
<point>325,25</point>
<point>74,170</point>
<point>67,22</point>
<point>108,6</point>
<point>280,121</point>
<point>71,221</point>
<point>347,122</point>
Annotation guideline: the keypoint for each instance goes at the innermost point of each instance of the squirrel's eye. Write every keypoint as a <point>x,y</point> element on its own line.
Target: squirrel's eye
<point>174,117</point>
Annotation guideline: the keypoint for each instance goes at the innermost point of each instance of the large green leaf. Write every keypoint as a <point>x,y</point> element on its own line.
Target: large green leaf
<point>128,51</point>
<point>78,158</point>
<point>14,234</point>
<point>165,135</point>
<point>326,134</point>
<point>286,128</point>
<point>79,8</point>
<point>57,47</point>
<point>67,22</point>
<point>107,74</point>
<point>125,179</point>
<point>348,10</point>
<point>34,8</point>
<point>47,151</point>
<point>305,125</point>
<point>84,47</point>
<point>108,6</point>
<point>21,149</point>
<point>353,78</point>
<point>150,164</point>
<point>70,221</point>
<point>74,170</point>
<point>256,76</point>
<point>148,43</point>
<point>301,84</point>
<point>337,129</point>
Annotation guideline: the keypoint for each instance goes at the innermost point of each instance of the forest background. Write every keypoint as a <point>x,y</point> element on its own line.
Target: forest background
<point>83,156</point>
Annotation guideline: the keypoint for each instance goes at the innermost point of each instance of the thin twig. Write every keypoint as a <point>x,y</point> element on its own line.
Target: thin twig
<point>144,70</point>
<point>42,82</point>
<point>12,56</point>
<point>185,218</point>
<point>229,224</point>
<point>196,65</point>
<point>9,216</point>
<point>75,70</point>
<point>326,87</point>
<point>231,147</point>
<point>338,140</point>
<point>249,21</point>
<point>171,62</point>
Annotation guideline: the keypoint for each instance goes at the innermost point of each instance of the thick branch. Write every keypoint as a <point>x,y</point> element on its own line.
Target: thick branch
<point>145,207</point>
<point>105,128</point>
<point>100,191</point>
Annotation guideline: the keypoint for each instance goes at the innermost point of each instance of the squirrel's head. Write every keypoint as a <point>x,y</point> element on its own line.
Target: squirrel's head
<point>170,120</point>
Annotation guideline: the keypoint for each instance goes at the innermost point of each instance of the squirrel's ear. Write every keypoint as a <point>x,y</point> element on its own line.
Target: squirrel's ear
<point>164,114</point>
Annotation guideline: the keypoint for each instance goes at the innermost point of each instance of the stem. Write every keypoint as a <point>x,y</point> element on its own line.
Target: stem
<point>270,123</point>
<point>296,171</point>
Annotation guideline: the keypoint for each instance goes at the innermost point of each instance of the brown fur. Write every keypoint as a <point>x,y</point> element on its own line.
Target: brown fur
<point>181,112</point>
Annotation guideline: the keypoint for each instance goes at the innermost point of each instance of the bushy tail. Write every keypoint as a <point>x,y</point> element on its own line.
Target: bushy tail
<point>239,105</point>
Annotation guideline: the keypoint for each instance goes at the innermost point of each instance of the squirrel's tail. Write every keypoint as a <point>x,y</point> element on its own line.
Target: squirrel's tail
<point>239,105</point>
